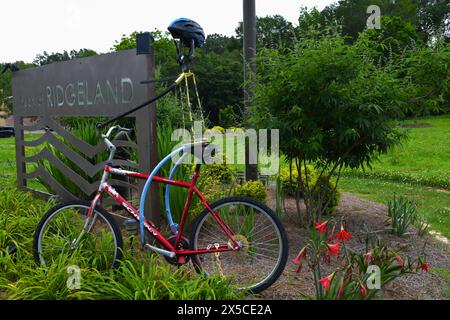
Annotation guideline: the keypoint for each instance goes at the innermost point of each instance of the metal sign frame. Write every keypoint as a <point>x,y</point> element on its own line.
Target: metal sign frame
<point>103,85</point>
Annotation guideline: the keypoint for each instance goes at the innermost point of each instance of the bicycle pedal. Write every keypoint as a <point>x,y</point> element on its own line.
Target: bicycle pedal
<point>181,259</point>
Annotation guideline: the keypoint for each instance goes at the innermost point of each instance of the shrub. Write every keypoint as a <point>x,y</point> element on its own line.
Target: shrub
<point>219,128</point>
<point>252,189</point>
<point>329,198</point>
<point>215,182</point>
<point>289,183</point>
<point>216,174</point>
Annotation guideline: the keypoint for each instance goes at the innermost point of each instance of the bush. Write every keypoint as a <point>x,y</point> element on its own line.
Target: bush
<point>216,174</point>
<point>330,197</point>
<point>252,189</point>
<point>219,128</point>
<point>289,183</point>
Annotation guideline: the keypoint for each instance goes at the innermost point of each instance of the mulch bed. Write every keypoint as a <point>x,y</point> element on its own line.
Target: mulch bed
<point>363,215</point>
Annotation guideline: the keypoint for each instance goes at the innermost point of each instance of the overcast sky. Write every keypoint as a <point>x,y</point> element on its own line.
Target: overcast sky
<point>31,27</point>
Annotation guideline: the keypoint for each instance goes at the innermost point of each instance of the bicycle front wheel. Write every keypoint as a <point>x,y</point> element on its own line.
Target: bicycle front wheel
<point>65,230</point>
<point>262,238</point>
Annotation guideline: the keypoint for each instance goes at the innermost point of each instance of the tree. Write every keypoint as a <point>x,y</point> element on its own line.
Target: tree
<point>220,82</point>
<point>220,44</point>
<point>426,74</point>
<point>333,107</point>
<point>434,18</point>
<point>430,17</point>
<point>271,32</point>
<point>47,58</point>
<point>165,51</point>
<point>5,87</point>
<point>321,22</point>
<point>392,41</point>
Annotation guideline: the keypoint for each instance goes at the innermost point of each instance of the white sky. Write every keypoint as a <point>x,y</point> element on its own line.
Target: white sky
<point>28,28</point>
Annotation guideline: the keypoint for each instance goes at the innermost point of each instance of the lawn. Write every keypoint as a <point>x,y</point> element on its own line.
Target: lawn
<point>419,169</point>
<point>8,160</point>
<point>424,158</point>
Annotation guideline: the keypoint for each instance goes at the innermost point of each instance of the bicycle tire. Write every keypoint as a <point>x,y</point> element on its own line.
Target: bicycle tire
<point>284,248</point>
<point>78,203</point>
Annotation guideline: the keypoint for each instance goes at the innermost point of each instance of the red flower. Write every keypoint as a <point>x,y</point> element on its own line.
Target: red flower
<point>334,249</point>
<point>425,266</point>
<point>362,290</point>
<point>343,235</point>
<point>300,256</point>
<point>326,282</point>
<point>400,261</point>
<point>321,226</point>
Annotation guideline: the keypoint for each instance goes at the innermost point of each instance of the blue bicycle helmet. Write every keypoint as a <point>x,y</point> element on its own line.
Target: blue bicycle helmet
<point>187,30</point>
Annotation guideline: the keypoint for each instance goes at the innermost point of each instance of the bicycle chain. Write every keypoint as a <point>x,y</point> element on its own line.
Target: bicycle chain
<point>217,258</point>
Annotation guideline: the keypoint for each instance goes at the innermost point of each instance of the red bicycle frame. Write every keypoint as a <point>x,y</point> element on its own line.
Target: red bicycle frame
<point>192,189</point>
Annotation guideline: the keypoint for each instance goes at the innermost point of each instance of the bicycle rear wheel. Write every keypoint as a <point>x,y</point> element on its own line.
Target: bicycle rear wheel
<point>263,241</point>
<point>64,230</point>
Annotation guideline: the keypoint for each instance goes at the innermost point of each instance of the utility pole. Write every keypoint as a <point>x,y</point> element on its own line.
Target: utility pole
<point>251,170</point>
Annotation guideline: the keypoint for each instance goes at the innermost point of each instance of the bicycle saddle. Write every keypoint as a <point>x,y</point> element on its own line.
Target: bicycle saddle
<point>202,148</point>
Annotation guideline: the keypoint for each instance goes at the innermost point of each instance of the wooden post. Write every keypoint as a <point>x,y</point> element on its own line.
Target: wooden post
<point>251,170</point>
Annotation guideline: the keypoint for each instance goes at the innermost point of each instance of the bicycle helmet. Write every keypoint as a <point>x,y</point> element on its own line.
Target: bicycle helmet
<point>187,30</point>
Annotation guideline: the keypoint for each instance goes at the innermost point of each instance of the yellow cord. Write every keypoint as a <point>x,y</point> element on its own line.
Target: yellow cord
<point>185,76</point>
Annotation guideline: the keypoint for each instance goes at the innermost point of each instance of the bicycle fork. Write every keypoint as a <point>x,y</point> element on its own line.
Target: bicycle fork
<point>90,221</point>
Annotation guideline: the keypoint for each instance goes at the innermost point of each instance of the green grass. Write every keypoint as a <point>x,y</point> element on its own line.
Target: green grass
<point>142,276</point>
<point>8,160</point>
<point>432,205</point>
<point>424,158</point>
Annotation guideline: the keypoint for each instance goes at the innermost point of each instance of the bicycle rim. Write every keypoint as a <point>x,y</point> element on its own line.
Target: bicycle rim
<point>64,233</point>
<point>263,255</point>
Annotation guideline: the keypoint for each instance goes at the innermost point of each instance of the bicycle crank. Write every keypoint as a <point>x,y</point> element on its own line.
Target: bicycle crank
<point>178,260</point>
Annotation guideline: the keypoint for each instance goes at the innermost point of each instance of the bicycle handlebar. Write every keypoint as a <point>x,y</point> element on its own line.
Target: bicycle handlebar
<point>119,128</point>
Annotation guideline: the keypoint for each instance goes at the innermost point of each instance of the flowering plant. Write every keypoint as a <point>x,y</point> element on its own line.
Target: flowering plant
<point>357,276</point>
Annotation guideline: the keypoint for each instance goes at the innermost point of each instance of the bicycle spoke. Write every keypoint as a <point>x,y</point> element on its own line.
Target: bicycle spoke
<point>259,238</point>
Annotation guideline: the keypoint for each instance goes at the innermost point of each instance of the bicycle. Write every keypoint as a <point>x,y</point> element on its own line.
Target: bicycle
<point>235,237</point>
